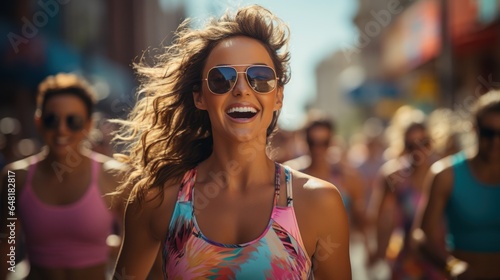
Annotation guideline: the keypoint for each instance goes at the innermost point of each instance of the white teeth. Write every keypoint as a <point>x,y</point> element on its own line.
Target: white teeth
<point>242,110</point>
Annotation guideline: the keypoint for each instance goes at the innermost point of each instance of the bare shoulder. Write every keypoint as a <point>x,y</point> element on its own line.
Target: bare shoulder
<point>392,167</point>
<point>157,207</point>
<point>112,172</point>
<point>444,165</point>
<point>19,170</point>
<point>21,165</point>
<point>442,175</point>
<point>392,173</point>
<point>320,214</point>
<point>315,192</point>
<point>109,164</point>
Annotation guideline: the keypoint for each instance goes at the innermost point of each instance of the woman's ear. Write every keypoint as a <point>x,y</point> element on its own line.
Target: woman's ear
<point>279,99</point>
<point>199,102</point>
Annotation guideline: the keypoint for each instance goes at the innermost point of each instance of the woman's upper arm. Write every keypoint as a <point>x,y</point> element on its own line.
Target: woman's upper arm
<point>436,196</point>
<point>357,193</point>
<point>382,198</point>
<point>112,174</point>
<point>140,246</point>
<point>331,258</point>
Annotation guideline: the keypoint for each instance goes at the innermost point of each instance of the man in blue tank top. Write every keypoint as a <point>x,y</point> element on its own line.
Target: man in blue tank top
<point>465,189</point>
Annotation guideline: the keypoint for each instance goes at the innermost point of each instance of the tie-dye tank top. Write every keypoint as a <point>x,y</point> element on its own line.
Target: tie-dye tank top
<point>278,253</point>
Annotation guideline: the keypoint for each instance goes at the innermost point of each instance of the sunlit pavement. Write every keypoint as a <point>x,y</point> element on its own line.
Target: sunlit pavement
<point>359,257</point>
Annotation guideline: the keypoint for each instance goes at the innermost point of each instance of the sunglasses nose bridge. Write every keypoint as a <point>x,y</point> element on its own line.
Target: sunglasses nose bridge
<point>241,84</point>
<point>66,125</point>
<point>62,125</point>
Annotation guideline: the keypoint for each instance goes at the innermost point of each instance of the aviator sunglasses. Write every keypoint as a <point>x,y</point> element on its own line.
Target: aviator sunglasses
<point>261,78</point>
<point>422,143</point>
<point>323,143</point>
<point>488,133</point>
<point>73,122</point>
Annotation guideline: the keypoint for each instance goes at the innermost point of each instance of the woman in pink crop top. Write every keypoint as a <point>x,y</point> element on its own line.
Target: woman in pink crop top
<point>206,195</point>
<point>65,218</point>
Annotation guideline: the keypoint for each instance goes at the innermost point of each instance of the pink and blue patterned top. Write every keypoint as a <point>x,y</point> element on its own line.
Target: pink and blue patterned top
<point>278,253</point>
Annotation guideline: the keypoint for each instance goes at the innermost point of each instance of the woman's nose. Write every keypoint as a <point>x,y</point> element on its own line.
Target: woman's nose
<point>241,87</point>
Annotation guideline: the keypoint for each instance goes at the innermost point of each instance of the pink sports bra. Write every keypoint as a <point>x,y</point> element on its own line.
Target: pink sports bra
<point>68,236</point>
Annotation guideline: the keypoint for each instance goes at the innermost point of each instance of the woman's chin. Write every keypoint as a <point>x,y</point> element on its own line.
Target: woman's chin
<point>61,151</point>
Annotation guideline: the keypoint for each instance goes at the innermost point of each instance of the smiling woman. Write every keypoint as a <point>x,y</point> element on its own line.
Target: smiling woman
<point>65,219</point>
<point>204,192</point>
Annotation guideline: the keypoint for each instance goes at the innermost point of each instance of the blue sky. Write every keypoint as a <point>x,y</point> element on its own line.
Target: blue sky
<point>318,28</point>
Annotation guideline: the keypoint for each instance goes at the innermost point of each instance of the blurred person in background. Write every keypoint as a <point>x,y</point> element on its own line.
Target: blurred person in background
<point>397,194</point>
<point>445,129</point>
<point>324,161</point>
<point>284,146</point>
<point>366,153</point>
<point>373,158</point>
<point>64,217</point>
<point>465,189</point>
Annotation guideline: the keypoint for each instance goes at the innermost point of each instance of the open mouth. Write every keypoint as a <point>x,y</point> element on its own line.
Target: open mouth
<point>242,112</point>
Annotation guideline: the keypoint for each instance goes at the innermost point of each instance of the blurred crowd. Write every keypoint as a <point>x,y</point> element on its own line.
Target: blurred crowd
<point>384,175</point>
<point>399,174</point>
<point>381,171</point>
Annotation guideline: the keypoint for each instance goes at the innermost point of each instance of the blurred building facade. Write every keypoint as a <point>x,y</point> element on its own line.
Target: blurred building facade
<point>334,76</point>
<point>417,53</point>
<point>448,51</point>
<point>350,82</point>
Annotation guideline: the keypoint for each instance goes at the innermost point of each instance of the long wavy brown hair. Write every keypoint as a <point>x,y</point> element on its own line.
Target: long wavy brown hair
<point>165,134</point>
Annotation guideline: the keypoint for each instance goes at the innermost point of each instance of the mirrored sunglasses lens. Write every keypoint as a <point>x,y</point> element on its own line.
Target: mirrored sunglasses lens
<point>261,78</point>
<point>74,123</point>
<point>221,79</point>
<point>318,143</point>
<point>50,121</point>
<point>488,133</point>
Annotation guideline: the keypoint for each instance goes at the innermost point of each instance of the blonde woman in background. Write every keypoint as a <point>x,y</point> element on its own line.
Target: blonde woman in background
<point>397,194</point>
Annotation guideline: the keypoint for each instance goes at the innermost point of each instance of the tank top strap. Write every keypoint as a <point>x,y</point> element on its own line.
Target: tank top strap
<point>289,191</point>
<point>277,183</point>
<point>186,188</point>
